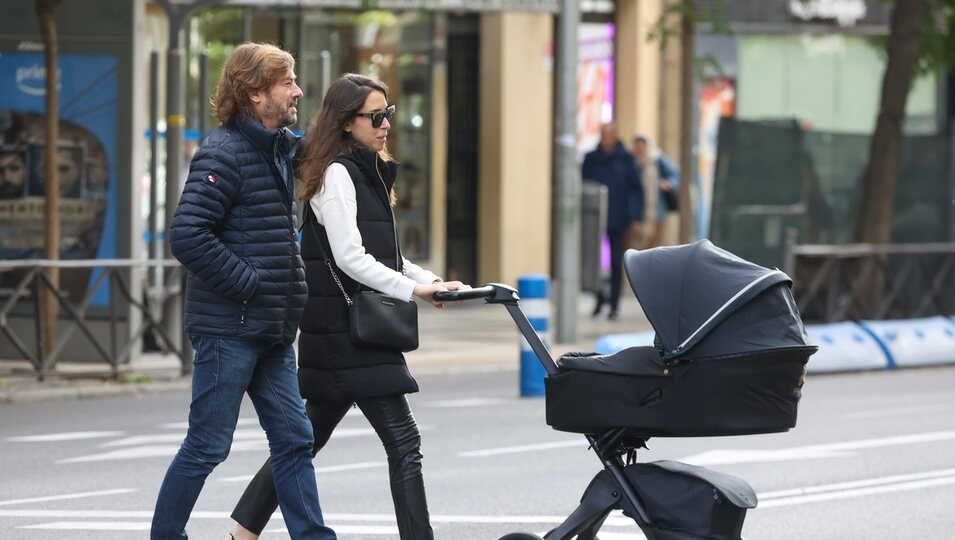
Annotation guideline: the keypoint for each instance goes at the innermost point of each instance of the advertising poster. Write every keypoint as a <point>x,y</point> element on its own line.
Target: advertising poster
<point>594,83</point>
<point>717,100</point>
<point>85,159</point>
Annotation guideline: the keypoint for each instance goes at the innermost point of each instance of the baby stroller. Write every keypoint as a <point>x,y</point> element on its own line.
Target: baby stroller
<point>728,359</point>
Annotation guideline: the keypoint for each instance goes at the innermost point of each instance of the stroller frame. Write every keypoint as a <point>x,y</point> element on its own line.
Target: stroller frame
<point>610,489</point>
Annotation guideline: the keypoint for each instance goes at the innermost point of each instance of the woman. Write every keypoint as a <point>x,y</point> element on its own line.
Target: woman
<point>348,179</point>
<point>661,183</point>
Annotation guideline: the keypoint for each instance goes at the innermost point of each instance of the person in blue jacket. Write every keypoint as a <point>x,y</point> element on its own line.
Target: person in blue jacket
<point>613,166</point>
<point>234,231</point>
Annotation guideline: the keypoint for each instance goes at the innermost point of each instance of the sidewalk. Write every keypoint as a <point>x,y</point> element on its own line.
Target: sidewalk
<point>469,336</point>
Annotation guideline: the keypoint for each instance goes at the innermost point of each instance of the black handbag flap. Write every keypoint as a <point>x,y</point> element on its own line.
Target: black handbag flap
<point>379,320</point>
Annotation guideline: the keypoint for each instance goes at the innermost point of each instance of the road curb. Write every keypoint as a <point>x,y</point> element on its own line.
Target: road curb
<point>14,394</point>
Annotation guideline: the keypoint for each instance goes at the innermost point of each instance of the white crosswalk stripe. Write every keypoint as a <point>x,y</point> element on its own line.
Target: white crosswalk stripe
<point>167,444</point>
<point>69,436</point>
<point>90,526</point>
<point>344,524</point>
<point>68,496</point>
<point>616,527</point>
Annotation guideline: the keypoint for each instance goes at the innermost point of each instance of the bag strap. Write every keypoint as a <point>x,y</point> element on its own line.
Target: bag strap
<point>353,172</point>
<point>321,247</point>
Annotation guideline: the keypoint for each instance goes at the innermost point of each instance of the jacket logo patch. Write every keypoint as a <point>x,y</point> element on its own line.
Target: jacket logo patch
<point>212,178</point>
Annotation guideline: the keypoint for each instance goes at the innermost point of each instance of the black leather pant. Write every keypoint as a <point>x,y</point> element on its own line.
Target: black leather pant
<point>618,246</point>
<point>391,418</point>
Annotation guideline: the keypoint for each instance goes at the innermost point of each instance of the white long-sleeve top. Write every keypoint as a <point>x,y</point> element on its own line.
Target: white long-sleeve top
<point>336,209</point>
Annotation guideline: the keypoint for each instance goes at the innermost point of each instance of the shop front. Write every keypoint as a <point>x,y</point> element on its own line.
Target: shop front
<point>473,86</point>
<point>808,76</point>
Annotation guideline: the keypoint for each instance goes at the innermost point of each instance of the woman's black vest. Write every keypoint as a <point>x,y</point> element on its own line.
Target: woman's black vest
<point>331,367</point>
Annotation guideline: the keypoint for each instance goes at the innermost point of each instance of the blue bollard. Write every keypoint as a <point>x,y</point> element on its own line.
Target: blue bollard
<point>533,291</point>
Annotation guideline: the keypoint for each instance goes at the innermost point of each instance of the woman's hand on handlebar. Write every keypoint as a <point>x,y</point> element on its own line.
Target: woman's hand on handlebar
<point>426,291</point>
<point>456,286</point>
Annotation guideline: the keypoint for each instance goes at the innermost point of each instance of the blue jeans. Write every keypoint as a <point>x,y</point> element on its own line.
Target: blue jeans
<point>224,370</point>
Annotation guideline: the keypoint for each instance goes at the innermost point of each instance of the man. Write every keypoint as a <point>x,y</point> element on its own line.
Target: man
<point>69,162</point>
<point>611,165</point>
<point>12,173</point>
<point>234,231</point>
<point>661,183</point>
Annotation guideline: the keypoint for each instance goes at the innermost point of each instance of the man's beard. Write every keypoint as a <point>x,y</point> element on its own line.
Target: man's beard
<point>286,117</point>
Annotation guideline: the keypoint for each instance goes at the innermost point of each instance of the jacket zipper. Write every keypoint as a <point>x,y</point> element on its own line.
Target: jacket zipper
<point>394,223</point>
<point>283,171</point>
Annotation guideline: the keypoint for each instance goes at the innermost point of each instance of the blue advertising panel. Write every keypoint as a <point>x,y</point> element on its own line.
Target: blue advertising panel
<point>86,161</point>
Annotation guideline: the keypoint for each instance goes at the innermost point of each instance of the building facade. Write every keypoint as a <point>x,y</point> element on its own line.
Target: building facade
<point>473,83</point>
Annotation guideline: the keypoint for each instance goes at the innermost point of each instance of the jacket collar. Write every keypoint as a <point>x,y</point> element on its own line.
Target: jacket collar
<point>267,140</point>
<point>368,160</point>
<point>617,150</point>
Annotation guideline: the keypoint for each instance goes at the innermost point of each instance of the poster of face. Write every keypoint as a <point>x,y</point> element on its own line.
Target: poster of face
<point>84,160</point>
<point>14,167</point>
<point>595,80</point>
<point>717,99</point>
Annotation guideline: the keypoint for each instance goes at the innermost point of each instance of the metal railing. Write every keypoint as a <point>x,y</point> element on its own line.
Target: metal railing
<point>867,281</point>
<point>113,273</point>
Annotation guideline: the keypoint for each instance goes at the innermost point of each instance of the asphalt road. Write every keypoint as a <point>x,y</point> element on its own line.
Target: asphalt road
<point>873,457</point>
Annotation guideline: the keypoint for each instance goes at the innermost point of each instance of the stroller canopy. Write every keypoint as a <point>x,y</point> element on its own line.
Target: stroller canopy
<point>704,299</point>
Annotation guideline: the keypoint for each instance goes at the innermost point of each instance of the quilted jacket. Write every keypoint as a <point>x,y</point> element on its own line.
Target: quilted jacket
<point>234,231</point>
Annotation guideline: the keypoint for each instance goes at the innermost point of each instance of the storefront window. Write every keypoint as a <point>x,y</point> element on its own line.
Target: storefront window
<point>214,32</point>
<point>395,48</point>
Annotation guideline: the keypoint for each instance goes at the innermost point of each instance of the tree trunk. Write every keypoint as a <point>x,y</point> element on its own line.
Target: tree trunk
<point>878,182</point>
<point>51,179</point>
<point>687,163</point>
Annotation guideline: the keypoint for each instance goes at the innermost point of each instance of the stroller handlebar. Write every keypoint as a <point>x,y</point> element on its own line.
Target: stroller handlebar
<point>497,293</point>
<point>493,293</point>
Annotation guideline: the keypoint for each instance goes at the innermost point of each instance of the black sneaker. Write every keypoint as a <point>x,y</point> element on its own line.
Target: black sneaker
<point>613,315</point>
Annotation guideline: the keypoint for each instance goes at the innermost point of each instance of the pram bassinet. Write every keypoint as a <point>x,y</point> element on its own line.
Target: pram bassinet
<point>729,356</point>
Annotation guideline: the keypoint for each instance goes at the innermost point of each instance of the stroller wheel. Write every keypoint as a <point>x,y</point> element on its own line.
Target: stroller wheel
<point>521,536</point>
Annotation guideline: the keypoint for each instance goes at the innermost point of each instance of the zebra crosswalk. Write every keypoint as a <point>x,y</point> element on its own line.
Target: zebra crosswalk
<point>347,526</point>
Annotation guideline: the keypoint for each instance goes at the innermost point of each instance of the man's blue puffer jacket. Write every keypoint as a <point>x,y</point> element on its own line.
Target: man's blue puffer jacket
<point>234,231</point>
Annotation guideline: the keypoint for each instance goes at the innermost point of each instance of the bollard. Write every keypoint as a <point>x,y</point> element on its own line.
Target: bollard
<point>532,290</point>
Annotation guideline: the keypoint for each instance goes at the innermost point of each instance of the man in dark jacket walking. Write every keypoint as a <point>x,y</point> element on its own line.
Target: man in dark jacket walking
<point>234,231</point>
<point>613,166</point>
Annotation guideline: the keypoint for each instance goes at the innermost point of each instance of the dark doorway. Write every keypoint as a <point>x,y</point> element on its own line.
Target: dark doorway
<point>463,123</point>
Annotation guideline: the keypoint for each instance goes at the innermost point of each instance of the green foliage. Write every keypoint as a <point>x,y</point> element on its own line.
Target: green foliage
<point>377,17</point>
<point>937,47</point>
<point>216,30</point>
<point>936,50</point>
<point>224,23</point>
<point>669,25</point>
<point>135,378</point>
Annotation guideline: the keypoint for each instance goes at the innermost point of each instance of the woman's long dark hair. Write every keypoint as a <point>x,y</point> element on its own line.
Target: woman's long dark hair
<point>327,138</point>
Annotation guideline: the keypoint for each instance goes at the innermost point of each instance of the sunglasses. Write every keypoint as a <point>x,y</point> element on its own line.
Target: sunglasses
<point>377,117</point>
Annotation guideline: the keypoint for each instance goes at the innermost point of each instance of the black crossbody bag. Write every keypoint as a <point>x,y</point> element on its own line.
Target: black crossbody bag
<point>376,319</point>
